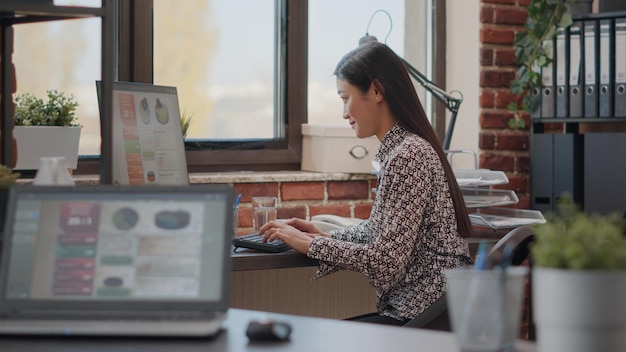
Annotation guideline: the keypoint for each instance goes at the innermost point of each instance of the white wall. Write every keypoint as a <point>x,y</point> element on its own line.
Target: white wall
<point>463,66</point>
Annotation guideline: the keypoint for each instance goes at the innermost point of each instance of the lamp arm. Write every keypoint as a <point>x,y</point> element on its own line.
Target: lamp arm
<point>452,103</point>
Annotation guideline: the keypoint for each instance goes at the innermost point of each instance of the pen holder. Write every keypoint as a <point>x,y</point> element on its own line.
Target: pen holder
<point>235,220</point>
<point>485,307</point>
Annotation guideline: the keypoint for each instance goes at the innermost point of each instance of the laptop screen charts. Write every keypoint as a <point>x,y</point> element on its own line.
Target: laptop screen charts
<point>148,147</point>
<point>126,248</point>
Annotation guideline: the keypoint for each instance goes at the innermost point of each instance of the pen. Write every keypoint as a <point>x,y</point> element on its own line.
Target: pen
<point>481,257</point>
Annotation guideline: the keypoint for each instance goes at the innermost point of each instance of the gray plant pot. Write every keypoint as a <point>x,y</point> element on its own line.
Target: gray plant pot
<point>579,310</point>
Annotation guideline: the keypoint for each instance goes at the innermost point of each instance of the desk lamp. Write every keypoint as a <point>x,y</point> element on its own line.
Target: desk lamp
<point>450,102</point>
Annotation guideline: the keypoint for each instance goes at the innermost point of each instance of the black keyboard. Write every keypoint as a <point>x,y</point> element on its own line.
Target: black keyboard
<point>255,241</point>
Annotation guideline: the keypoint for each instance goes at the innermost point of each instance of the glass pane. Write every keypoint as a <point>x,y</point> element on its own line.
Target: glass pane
<point>220,56</point>
<point>335,27</point>
<point>63,55</point>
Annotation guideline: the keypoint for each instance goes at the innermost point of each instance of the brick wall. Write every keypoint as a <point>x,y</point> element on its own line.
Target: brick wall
<point>502,148</point>
<point>305,199</point>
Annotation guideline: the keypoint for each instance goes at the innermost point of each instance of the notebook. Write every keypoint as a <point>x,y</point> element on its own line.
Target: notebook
<point>116,260</point>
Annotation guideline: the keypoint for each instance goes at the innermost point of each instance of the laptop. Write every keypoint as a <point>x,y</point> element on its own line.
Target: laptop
<point>148,145</point>
<point>116,260</point>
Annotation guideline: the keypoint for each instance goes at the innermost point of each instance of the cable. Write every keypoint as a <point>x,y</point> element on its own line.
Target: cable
<point>390,23</point>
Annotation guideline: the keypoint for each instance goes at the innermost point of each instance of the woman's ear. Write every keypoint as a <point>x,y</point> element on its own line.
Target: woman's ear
<point>379,90</point>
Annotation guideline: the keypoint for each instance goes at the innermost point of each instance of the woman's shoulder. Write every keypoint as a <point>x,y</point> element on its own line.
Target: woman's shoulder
<point>415,147</point>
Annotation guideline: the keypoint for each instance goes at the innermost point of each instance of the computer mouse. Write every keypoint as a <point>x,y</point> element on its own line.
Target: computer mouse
<point>268,330</point>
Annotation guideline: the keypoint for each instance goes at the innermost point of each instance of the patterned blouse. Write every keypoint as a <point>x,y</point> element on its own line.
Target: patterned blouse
<point>410,236</point>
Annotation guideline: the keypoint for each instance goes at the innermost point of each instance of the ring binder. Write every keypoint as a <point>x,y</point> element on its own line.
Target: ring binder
<point>591,93</point>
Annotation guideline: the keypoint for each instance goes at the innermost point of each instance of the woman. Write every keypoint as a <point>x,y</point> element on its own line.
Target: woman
<point>418,218</point>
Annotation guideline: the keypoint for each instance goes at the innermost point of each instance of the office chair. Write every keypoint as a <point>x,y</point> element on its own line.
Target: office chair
<point>435,317</point>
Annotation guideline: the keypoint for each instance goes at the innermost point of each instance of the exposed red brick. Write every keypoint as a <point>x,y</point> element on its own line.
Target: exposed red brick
<point>495,119</point>
<point>486,56</point>
<point>292,212</point>
<point>245,217</point>
<point>519,184</point>
<point>302,191</point>
<point>523,2</point>
<point>342,209</point>
<point>524,202</point>
<point>249,190</point>
<point>348,190</point>
<point>510,2</point>
<point>504,97</point>
<point>486,14</point>
<point>496,78</point>
<point>362,210</point>
<point>512,141</point>
<point>497,161</point>
<point>505,57</point>
<point>487,98</point>
<point>486,141</point>
<point>497,35</point>
<point>509,15</point>
<point>523,163</point>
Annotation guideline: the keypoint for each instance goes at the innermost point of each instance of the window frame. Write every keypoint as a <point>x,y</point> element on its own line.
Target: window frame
<point>134,56</point>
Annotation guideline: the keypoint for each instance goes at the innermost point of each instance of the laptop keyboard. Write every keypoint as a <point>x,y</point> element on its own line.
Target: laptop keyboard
<point>255,241</point>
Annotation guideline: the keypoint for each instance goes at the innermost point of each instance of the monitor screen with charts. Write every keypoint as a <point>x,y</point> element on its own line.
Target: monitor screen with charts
<point>137,251</point>
<point>148,147</point>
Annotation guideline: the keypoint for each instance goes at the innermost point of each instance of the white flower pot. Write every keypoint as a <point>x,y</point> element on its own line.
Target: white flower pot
<point>34,142</point>
<point>579,310</point>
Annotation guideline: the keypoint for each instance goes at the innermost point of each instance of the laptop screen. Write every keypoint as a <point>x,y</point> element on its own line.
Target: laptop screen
<point>116,244</point>
<point>148,147</point>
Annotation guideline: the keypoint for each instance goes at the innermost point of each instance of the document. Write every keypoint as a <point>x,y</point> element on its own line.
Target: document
<point>561,76</point>
<point>606,91</point>
<point>591,93</point>
<point>620,68</point>
<point>575,86</point>
<point>547,84</point>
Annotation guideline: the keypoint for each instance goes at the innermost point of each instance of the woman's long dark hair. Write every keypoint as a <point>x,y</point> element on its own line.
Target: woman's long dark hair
<point>374,62</point>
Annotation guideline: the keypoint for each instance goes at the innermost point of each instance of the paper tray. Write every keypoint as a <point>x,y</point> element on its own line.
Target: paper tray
<point>501,218</point>
<point>479,177</point>
<point>480,198</point>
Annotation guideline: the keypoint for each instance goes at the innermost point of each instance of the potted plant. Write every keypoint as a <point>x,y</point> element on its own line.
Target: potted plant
<point>579,281</point>
<point>45,128</point>
<point>7,180</point>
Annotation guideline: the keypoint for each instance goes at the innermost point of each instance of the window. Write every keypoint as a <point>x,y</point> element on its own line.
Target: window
<point>241,67</point>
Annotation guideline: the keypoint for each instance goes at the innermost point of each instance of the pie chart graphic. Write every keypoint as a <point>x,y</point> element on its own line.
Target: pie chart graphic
<point>125,218</point>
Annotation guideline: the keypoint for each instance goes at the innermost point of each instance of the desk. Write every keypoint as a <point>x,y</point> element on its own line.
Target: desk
<point>308,334</point>
<point>281,283</point>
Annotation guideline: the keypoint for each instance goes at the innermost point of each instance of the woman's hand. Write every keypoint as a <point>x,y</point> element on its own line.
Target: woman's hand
<point>296,233</point>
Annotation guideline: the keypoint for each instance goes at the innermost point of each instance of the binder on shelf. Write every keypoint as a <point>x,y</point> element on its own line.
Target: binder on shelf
<point>575,83</point>
<point>620,68</point>
<point>561,76</point>
<point>547,84</point>
<point>606,90</point>
<point>591,93</point>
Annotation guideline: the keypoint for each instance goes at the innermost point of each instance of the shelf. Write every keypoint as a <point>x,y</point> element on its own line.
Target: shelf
<point>542,120</point>
<point>504,218</point>
<point>14,12</point>
<point>480,198</point>
<point>479,177</point>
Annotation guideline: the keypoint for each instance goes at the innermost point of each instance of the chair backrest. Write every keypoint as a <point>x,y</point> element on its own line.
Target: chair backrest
<point>435,317</point>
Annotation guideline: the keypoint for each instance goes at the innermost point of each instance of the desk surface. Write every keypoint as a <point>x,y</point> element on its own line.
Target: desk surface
<point>308,334</point>
<point>249,259</point>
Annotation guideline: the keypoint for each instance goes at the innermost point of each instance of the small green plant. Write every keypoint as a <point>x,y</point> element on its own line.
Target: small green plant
<point>185,122</point>
<point>575,240</point>
<point>533,46</point>
<point>7,177</point>
<point>515,124</point>
<point>58,110</point>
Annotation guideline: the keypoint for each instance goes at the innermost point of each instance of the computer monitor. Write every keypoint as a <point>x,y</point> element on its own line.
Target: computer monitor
<point>148,147</point>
